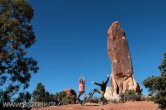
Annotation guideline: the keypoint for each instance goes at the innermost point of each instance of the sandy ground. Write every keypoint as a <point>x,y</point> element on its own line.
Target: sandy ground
<point>141,105</point>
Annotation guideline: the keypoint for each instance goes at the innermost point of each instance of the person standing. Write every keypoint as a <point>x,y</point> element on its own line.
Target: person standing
<point>81,90</point>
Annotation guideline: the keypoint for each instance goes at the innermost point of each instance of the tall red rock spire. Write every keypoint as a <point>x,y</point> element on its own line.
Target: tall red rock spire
<point>122,77</point>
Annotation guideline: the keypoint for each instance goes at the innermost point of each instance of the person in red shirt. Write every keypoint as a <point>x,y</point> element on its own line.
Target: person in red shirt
<point>81,90</point>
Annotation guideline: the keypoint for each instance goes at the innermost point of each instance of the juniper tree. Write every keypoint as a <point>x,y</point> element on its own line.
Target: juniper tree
<point>39,94</point>
<point>157,85</point>
<point>16,36</point>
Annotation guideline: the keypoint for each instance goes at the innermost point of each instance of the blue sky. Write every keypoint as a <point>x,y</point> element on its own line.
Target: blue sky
<point>72,39</point>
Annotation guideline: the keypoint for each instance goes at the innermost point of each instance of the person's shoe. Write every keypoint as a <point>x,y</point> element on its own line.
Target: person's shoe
<point>83,102</point>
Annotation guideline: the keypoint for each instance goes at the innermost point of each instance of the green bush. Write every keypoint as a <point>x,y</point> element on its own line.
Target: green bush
<point>149,98</point>
<point>130,95</point>
<point>157,85</point>
<point>160,98</point>
<point>96,100</point>
<point>63,98</point>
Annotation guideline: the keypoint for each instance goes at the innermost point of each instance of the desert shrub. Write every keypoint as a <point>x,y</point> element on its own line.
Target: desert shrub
<point>130,95</point>
<point>113,101</point>
<point>64,98</point>
<point>96,100</point>
<point>149,98</point>
<point>157,85</point>
<point>105,101</point>
<point>60,98</point>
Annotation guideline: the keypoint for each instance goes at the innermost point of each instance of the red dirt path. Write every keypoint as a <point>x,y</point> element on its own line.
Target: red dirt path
<point>140,105</point>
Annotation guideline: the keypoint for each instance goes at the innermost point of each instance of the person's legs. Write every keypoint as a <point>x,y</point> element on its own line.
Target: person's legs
<point>101,94</point>
<point>98,91</point>
<point>101,97</point>
<point>78,96</point>
<point>95,90</point>
<point>85,97</point>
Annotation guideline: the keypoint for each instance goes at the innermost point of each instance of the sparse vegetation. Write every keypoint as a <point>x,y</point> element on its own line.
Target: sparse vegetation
<point>96,100</point>
<point>61,98</point>
<point>64,98</point>
<point>130,95</point>
<point>157,85</point>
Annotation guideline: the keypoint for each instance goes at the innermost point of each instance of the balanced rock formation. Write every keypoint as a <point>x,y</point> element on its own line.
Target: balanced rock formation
<point>122,77</point>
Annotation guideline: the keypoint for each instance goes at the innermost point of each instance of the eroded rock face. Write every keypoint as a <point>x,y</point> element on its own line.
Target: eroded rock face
<point>122,77</point>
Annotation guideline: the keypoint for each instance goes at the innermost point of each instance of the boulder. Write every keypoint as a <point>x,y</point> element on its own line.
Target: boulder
<point>71,92</point>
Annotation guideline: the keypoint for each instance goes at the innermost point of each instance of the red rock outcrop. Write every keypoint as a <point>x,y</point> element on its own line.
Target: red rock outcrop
<point>122,77</point>
<point>70,91</point>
